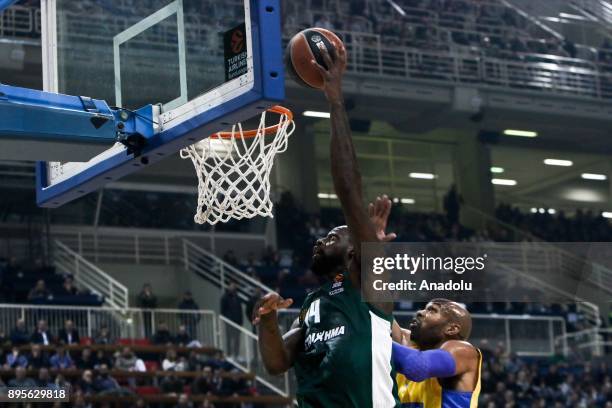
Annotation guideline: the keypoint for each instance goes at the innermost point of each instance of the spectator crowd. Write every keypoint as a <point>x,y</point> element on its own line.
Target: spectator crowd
<point>510,381</point>
<point>103,365</point>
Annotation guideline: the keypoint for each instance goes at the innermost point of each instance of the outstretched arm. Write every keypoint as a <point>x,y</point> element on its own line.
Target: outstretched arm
<point>345,170</point>
<point>420,365</point>
<point>277,351</point>
<point>453,358</point>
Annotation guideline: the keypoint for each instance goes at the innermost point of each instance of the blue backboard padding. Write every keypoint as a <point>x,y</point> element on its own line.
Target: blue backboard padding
<point>4,4</point>
<point>269,89</point>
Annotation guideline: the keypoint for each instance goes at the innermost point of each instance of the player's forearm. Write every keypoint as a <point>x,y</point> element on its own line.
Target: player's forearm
<point>275,357</point>
<point>344,168</point>
<point>419,365</point>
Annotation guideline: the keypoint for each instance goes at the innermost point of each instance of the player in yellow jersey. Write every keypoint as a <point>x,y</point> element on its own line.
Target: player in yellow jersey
<point>440,369</point>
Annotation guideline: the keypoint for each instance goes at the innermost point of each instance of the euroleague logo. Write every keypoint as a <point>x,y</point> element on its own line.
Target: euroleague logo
<point>237,42</point>
<point>316,39</point>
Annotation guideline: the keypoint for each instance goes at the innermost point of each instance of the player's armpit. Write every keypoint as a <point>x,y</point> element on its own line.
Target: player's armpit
<point>465,355</point>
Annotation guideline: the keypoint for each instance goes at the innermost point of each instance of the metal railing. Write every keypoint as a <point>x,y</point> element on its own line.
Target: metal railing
<point>525,335</point>
<point>20,21</point>
<point>127,324</point>
<point>523,71</point>
<point>118,245</point>
<point>160,247</point>
<point>144,246</point>
<point>90,276</point>
<point>519,71</point>
<point>585,344</point>
<point>244,354</point>
<point>554,256</point>
<point>204,326</point>
<point>601,9</point>
<point>537,72</point>
<point>520,262</point>
<point>218,272</point>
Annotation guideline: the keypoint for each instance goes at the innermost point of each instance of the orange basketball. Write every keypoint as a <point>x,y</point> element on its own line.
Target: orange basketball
<point>303,48</point>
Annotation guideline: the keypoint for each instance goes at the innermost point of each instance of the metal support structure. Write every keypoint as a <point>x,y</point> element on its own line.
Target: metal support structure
<point>37,125</point>
<point>98,208</point>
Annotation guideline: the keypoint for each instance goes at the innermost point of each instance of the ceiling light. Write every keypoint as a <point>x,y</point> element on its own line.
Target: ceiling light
<point>534,210</point>
<point>557,162</point>
<point>315,114</point>
<point>407,201</point>
<point>397,8</point>
<point>541,211</point>
<point>327,196</point>
<point>552,211</point>
<point>424,176</point>
<point>497,170</point>
<point>592,176</point>
<point>606,214</point>
<point>503,182</point>
<point>584,195</point>
<point>520,133</point>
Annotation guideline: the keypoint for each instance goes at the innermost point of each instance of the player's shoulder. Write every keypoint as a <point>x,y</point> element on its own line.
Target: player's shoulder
<point>461,348</point>
<point>311,297</point>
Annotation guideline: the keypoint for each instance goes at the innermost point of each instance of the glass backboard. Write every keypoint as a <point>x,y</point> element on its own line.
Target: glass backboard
<point>203,64</point>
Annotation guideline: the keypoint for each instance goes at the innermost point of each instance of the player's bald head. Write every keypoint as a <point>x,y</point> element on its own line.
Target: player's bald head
<point>456,314</point>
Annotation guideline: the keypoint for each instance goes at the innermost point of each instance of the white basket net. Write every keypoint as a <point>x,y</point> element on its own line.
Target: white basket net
<point>234,168</point>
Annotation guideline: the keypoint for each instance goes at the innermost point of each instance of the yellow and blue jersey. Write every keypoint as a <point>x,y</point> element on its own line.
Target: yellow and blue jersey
<point>429,393</point>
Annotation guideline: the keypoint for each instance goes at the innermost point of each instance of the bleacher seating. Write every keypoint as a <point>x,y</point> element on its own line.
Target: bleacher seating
<point>461,41</point>
<point>18,281</point>
<point>225,384</point>
<point>512,381</point>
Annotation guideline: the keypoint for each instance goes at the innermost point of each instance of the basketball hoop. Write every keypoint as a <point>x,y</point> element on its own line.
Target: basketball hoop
<point>234,168</point>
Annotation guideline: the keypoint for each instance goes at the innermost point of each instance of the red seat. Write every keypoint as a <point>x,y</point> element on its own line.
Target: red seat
<point>85,341</point>
<point>147,390</point>
<point>141,342</point>
<point>151,365</point>
<point>125,342</point>
<point>187,389</point>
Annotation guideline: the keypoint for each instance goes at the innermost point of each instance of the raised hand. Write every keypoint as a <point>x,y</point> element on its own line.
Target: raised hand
<point>271,302</point>
<point>379,215</point>
<point>332,75</point>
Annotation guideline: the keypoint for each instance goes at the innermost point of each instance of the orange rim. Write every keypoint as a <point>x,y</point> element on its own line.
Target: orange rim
<point>248,134</point>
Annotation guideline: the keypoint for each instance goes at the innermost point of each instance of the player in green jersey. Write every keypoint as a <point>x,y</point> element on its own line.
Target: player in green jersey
<point>340,346</point>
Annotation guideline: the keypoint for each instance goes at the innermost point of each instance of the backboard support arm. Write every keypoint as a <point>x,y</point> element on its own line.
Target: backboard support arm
<point>37,125</point>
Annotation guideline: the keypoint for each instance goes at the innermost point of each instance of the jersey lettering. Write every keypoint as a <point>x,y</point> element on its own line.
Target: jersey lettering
<point>313,311</point>
<point>313,338</point>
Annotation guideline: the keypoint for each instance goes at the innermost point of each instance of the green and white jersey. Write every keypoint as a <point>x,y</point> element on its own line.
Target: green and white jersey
<point>346,361</point>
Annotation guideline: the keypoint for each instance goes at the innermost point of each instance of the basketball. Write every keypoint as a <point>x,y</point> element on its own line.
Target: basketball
<point>303,48</point>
